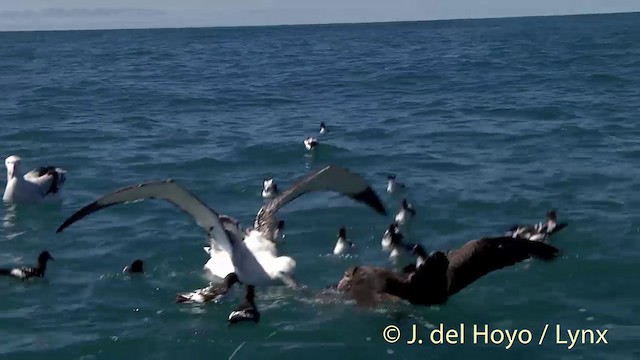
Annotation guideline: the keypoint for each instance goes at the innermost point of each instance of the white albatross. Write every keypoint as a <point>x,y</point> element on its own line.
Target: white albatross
<point>38,185</point>
<point>251,255</point>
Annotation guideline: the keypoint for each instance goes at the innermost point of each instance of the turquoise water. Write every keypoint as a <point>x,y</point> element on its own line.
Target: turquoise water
<point>488,122</point>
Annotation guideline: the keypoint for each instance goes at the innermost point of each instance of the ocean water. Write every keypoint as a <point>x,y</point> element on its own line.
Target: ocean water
<point>487,122</point>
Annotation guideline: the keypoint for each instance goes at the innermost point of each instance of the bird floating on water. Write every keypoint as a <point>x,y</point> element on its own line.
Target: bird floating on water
<point>386,237</point>
<point>251,255</point>
<point>38,185</point>
<point>421,258</point>
<point>137,266</point>
<point>399,250</point>
<point>393,185</point>
<point>323,128</point>
<point>246,311</point>
<point>342,245</point>
<point>213,292</point>
<point>406,212</point>
<point>540,231</point>
<point>310,143</point>
<point>27,272</point>
<point>270,188</point>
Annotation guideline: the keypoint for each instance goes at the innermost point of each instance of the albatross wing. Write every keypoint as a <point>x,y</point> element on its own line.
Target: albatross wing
<point>49,179</point>
<point>479,257</point>
<point>170,191</point>
<point>330,178</point>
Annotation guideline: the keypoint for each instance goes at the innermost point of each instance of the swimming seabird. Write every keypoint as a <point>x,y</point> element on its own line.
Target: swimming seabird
<point>310,143</point>
<point>270,188</point>
<point>247,311</point>
<point>323,128</point>
<point>27,272</point>
<point>421,257</point>
<point>213,292</point>
<point>406,212</point>
<point>399,249</point>
<point>540,231</point>
<point>42,183</point>
<point>137,266</point>
<point>393,185</point>
<point>440,276</point>
<point>251,255</point>
<point>342,245</point>
<point>386,237</point>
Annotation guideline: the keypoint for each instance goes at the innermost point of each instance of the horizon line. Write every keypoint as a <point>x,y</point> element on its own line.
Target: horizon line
<point>324,23</point>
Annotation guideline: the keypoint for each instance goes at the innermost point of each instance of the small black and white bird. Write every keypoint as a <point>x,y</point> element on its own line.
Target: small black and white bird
<point>342,245</point>
<point>247,311</point>
<point>213,292</point>
<point>406,212</point>
<point>393,185</point>
<point>421,258</point>
<point>27,272</point>
<point>386,237</point>
<point>269,188</point>
<point>323,128</point>
<point>137,266</point>
<point>310,143</point>
<point>399,250</point>
<point>540,231</point>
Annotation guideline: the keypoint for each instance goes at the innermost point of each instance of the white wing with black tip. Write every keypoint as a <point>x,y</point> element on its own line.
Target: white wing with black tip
<point>168,190</point>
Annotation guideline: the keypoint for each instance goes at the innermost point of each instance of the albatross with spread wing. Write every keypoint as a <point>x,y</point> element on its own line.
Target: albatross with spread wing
<point>252,255</point>
<point>440,276</point>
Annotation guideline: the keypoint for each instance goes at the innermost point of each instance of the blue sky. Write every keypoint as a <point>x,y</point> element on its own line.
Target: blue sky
<point>91,14</point>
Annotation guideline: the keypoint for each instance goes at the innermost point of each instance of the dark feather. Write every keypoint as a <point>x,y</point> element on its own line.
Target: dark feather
<point>441,276</point>
<point>480,257</point>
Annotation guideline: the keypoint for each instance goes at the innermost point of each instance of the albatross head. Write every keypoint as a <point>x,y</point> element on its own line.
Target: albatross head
<point>13,166</point>
<point>345,282</point>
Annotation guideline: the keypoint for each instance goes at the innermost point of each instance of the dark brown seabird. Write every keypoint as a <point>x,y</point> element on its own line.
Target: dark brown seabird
<point>440,276</point>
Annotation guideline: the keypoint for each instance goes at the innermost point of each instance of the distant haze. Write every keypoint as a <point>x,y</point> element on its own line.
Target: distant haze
<point>117,14</point>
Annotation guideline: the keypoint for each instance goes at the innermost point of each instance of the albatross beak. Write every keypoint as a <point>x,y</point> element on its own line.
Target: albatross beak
<point>342,285</point>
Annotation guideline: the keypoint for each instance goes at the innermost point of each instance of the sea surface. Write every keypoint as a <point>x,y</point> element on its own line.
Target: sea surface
<point>487,122</point>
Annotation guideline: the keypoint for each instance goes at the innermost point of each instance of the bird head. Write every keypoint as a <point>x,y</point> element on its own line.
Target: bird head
<point>13,165</point>
<point>137,266</point>
<point>347,277</point>
<point>418,250</point>
<point>44,257</point>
